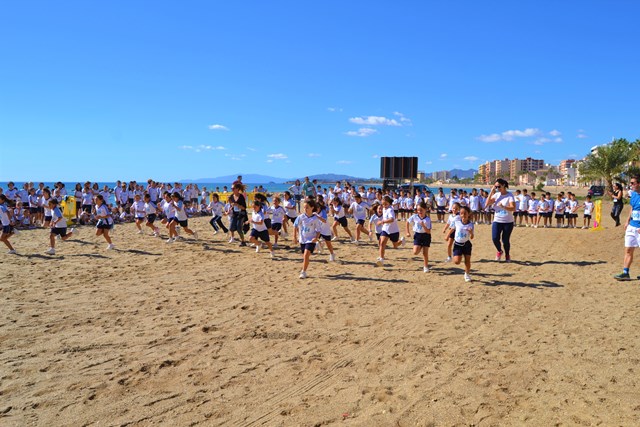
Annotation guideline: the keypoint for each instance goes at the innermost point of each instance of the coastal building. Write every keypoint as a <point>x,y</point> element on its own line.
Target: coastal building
<point>441,175</point>
<point>518,166</point>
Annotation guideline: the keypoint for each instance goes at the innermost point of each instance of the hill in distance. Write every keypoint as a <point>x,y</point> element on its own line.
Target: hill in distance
<point>264,179</point>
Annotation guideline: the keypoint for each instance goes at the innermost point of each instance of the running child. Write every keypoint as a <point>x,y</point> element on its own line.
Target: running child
<point>7,230</point>
<point>259,230</point>
<point>105,221</point>
<point>277,218</point>
<point>376,216</point>
<point>290,209</point>
<point>139,212</point>
<point>462,244</point>
<point>217,210</point>
<point>422,233</point>
<point>307,230</point>
<point>58,226</point>
<point>151,211</point>
<point>449,229</point>
<point>390,229</point>
<point>359,211</point>
<point>339,218</point>
<point>181,215</point>
<point>325,229</point>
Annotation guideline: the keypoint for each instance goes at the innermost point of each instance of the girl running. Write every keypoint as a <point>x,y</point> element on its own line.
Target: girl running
<point>105,222</point>
<point>449,229</point>
<point>359,211</point>
<point>277,218</point>
<point>390,229</point>
<point>325,229</point>
<point>58,226</point>
<point>139,212</point>
<point>307,230</point>
<point>151,211</point>
<point>217,210</point>
<point>422,233</point>
<point>462,245</point>
<point>339,218</point>
<point>290,209</point>
<point>7,230</point>
<point>375,218</point>
<point>259,230</point>
<point>181,215</point>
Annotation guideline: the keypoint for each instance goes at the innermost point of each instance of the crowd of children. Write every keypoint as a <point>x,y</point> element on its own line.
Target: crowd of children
<point>375,213</point>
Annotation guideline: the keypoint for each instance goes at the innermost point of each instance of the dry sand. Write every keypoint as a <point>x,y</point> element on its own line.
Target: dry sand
<point>208,333</point>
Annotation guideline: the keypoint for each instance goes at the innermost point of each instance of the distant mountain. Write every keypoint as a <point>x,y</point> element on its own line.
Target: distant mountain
<point>461,174</point>
<point>332,177</point>
<point>250,178</point>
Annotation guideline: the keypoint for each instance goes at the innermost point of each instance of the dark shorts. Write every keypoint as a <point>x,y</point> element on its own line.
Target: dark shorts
<point>262,235</point>
<point>103,224</point>
<point>573,215</point>
<point>459,250</point>
<point>587,216</point>
<point>151,218</point>
<point>139,218</point>
<point>7,229</point>
<point>267,222</point>
<point>277,226</point>
<point>307,247</point>
<point>59,231</point>
<point>48,218</point>
<point>422,239</point>
<point>342,221</point>
<point>291,218</point>
<point>378,237</point>
<point>194,200</point>
<point>184,223</point>
<point>326,237</point>
<point>532,215</point>
<point>87,208</point>
<point>452,234</point>
<point>297,197</point>
<point>33,210</point>
<point>394,237</point>
<point>40,209</point>
<point>440,209</point>
<point>25,204</point>
<point>559,216</point>
<point>360,221</point>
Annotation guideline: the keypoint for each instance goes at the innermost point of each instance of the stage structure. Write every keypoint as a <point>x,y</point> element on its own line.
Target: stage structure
<point>394,170</point>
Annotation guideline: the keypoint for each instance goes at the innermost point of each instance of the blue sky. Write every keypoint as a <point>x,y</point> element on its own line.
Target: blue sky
<point>178,90</point>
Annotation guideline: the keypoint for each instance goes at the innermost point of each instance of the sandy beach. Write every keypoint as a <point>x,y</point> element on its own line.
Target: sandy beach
<point>209,333</point>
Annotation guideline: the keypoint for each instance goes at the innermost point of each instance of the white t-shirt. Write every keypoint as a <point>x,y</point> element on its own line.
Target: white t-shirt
<point>463,232</point>
<point>359,210</point>
<point>139,209</point>
<point>258,217</point>
<point>308,227</point>
<point>588,208</point>
<point>181,215</point>
<point>499,202</point>
<point>389,227</point>
<point>374,219</point>
<point>418,223</point>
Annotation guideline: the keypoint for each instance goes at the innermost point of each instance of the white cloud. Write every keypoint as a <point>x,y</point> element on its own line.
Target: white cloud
<point>471,158</point>
<point>428,162</point>
<point>509,135</point>
<point>362,132</point>
<point>334,109</point>
<point>557,140</point>
<point>402,118</point>
<point>270,161</point>
<point>375,156</point>
<point>374,121</point>
<point>555,133</point>
<point>185,147</point>
<point>541,141</point>
<point>581,134</point>
<point>251,149</point>
<point>201,148</point>
<point>573,156</point>
<point>278,156</point>
<point>344,162</point>
<point>218,127</point>
<point>314,155</point>
<point>443,155</point>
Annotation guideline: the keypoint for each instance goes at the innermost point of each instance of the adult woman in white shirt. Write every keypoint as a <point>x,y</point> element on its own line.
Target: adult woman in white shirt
<point>504,205</point>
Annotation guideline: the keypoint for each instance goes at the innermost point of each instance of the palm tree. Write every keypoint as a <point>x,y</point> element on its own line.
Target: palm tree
<point>608,162</point>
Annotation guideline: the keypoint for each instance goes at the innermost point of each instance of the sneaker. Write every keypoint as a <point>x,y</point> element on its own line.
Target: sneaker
<point>622,276</point>
<point>467,278</point>
<point>380,262</point>
<point>231,240</point>
<point>584,228</point>
<point>507,258</point>
<point>110,247</point>
<point>332,257</point>
<point>271,254</point>
<point>275,246</point>
<point>195,235</point>
<point>169,240</point>
<point>156,231</point>
<point>425,269</point>
<point>334,238</point>
<point>498,256</point>
<point>74,231</point>
<point>12,252</point>
<point>215,232</point>
<point>448,259</point>
<point>257,248</point>
<point>243,243</point>
<point>139,231</point>
<point>15,231</point>
<point>303,275</point>
<point>354,241</point>
<point>52,251</point>
<point>402,241</point>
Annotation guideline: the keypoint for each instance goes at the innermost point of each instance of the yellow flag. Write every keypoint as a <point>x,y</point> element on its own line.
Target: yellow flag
<point>597,216</point>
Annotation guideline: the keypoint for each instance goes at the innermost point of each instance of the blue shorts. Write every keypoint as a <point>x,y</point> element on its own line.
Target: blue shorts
<point>342,221</point>
<point>267,223</point>
<point>7,229</point>
<point>262,235</point>
<point>307,247</point>
<point>464,249</point>
<point>151,218</point>
<point>394,237</point>
<point>277,226</point>
<point>326,237</point>
<point>422,239</point>
<point>360,221</point>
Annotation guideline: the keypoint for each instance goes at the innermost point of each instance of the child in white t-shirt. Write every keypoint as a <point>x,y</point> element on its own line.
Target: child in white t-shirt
<point>463,229</point>
<point>422,233</point>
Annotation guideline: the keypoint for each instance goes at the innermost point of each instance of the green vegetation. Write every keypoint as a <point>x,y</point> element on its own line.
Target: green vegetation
<point>612,162</point>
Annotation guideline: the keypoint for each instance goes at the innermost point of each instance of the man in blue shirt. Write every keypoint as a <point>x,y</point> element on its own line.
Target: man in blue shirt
<point>631,236</point>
